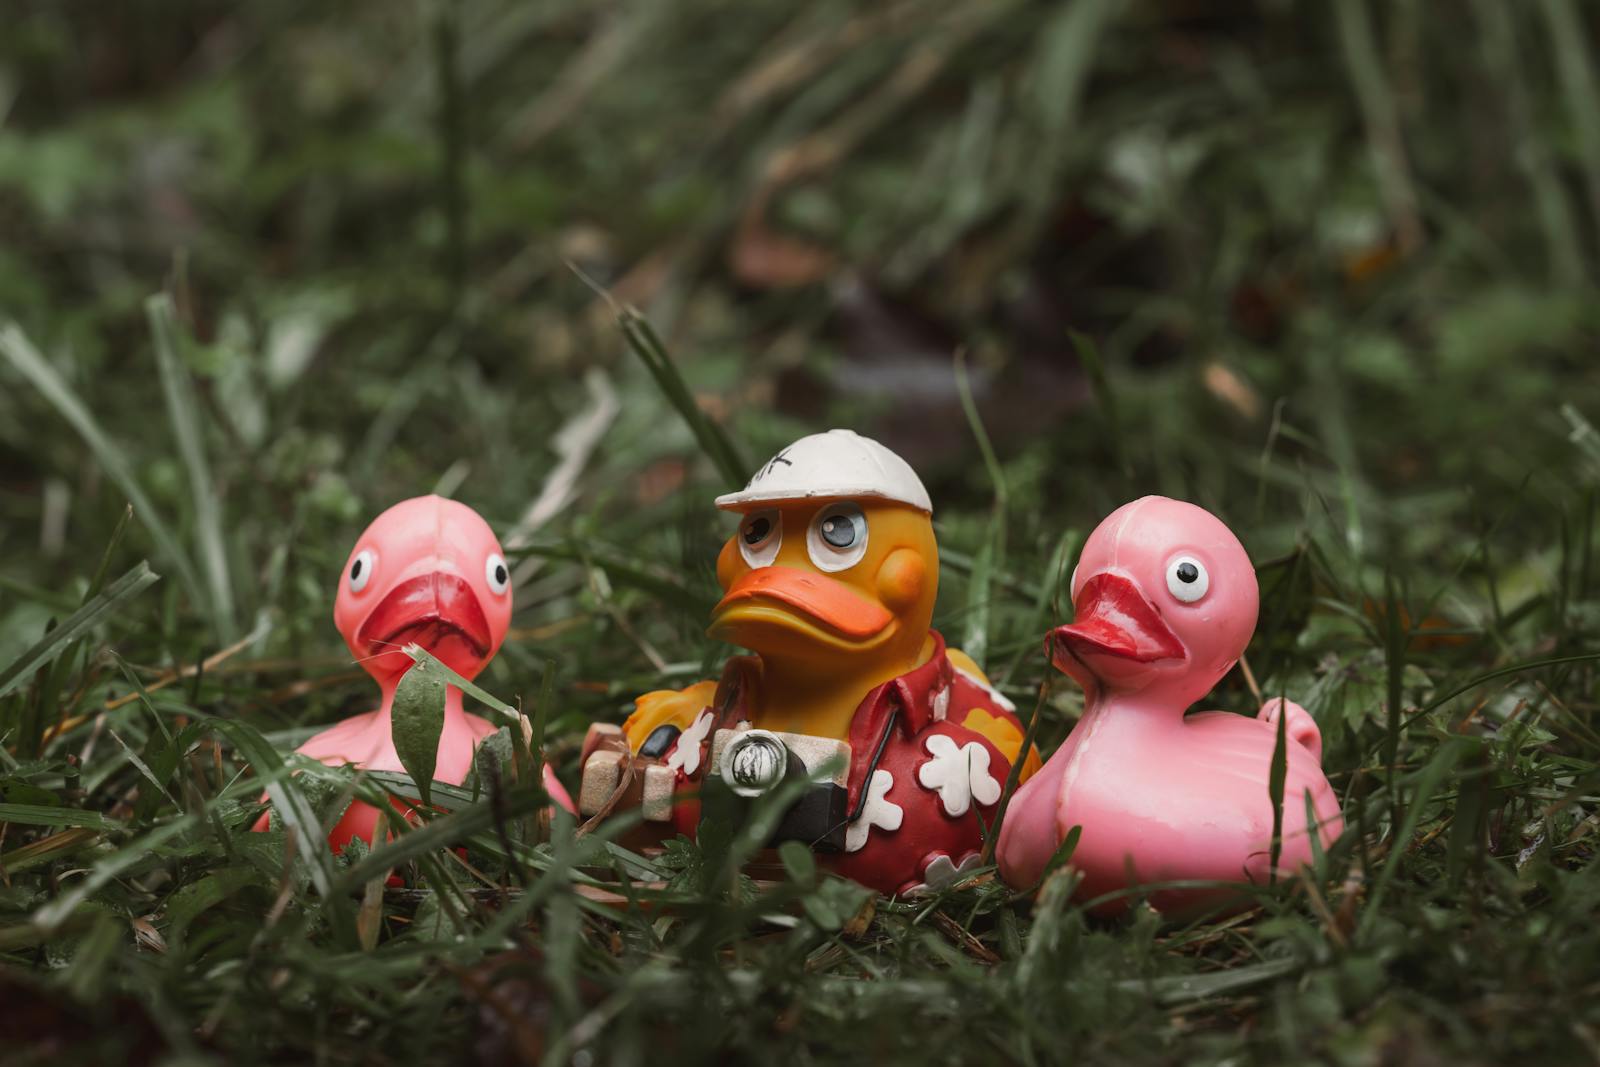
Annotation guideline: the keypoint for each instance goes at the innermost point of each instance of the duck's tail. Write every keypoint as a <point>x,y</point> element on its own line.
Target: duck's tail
<point>1301,726</point>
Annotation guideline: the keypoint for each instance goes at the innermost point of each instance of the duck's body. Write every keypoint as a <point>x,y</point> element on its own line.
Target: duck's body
<point>427,571</point>
<point>1163,797</point>
<point>367,741</point>
<point>1158,796</point>
<point>830,581</point>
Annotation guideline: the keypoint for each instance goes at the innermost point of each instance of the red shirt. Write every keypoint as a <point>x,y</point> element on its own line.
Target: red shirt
<point>935,778</point>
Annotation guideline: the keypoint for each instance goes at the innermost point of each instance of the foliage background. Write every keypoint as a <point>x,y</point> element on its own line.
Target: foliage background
<point>1325,268</point>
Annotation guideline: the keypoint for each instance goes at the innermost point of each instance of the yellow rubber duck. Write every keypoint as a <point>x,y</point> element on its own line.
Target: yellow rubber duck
<point>830,581</point>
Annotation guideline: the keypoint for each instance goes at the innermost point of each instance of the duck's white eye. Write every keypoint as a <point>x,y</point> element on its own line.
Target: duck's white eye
<point>361,569</point>
<point>837,537</point>
<point>1187,579</point>
<point>760,536</point>
<point>496,574</point>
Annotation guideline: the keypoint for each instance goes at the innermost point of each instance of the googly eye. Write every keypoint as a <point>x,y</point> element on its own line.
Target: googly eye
<point>1187,579</point>
<point>496,574</point>
<point>760,536</point>
<point>361,569</point>
<point>837,537</point>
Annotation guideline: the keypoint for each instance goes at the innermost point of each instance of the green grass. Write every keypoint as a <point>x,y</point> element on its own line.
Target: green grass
<point>1325,269</point>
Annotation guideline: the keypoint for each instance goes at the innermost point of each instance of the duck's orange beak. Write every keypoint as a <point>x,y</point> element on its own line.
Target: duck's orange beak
<point>438,611</point>
<point>1115,621</point>
<point>830,604</point>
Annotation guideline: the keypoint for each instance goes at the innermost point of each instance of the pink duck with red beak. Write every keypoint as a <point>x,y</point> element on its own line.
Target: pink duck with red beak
<point>430,572</point>
<point>1166,601</point>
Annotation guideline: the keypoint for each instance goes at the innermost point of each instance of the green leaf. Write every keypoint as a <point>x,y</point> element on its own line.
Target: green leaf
<point>799,862</point>
<point>421,655</point>
<point>47,815</point>
<point>80,621</point>
<point>417,720</point>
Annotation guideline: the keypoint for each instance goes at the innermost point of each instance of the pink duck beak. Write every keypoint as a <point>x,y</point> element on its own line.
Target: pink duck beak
<point>1114,623</point>
<point>438,611</point>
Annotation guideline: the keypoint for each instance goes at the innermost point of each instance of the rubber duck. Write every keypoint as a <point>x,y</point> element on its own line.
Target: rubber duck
<point>1165,602</point>
<point>428,571</point>
<point>830,581</point>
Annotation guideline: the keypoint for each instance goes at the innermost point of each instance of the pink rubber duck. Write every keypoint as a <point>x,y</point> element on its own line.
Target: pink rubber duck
<point>428,571</point>
<point>1165,601</point>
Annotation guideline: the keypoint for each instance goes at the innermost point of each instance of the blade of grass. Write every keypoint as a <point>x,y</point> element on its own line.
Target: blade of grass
<point>541,713</point>
<point>184,413</point>
<point>452,144</point>
<point>713,439</point>
<point>991,554</point>
<point>1014,775</point>
<point>438,833</point>
<point>1043,600</point>
<point>79,622</point>
<point>46,815</point>
<point>99,580</point>
<point>1489,676</point>
<point>1575,66</point>
<point>56,911</point>
<point>1428,781</point>
<point>16,347</point>
<point>1089,356</point>
<point>1395,663</point>
<point>291,804</point>
<point>1381,117</point>
<point>49,849</point>
<point>1498,37</point>
<point>1276,775</point>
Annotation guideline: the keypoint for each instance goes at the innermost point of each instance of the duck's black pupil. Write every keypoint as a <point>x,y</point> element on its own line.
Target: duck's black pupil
<point>840,533</point>
<point>355,570</point>
<point>756,532</point>
<point>500,574</point>
<point>1188,573</point>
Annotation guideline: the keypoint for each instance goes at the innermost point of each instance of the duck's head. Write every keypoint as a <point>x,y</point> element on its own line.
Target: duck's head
<point>428,571</point>
<point>834,559</point>
<point>1165,601</point>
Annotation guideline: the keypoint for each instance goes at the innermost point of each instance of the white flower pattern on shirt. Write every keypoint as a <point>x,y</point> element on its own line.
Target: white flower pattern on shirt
<point>878,811</point>
<point>686,756</point>
<point>941,873</point>
<point>960,774</point>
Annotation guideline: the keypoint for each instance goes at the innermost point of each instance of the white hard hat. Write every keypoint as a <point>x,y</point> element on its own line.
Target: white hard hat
<point>827,466</point>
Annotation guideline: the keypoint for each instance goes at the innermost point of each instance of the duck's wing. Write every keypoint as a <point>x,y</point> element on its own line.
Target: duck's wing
<point>677,708</point>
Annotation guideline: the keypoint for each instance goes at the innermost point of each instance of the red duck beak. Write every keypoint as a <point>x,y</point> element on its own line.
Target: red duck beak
<point>1114,620</point>
<point>438,611</point>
